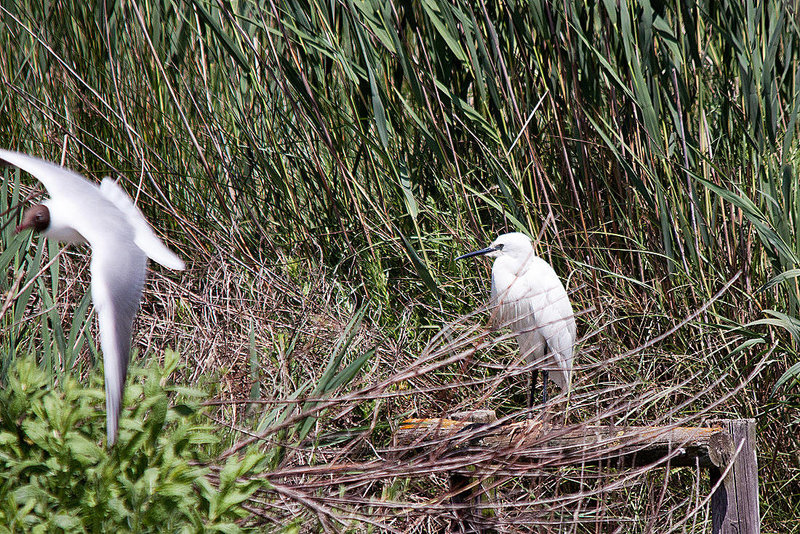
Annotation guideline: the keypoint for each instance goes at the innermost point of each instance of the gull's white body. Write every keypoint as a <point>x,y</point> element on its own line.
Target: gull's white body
<point>529,298</point>
<point>121,241</point>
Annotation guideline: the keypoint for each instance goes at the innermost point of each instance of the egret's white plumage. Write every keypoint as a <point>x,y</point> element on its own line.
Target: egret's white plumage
<point>78,211</point>
<point>528,297</point>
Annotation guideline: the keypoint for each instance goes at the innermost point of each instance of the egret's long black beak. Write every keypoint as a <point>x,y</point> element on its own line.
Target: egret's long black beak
<point>480,252</point>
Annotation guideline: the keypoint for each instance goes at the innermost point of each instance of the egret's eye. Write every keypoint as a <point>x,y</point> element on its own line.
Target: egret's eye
<point>499,247</point>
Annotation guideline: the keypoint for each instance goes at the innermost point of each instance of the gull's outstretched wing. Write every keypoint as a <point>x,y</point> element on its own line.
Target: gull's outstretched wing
<point>118,273</point>
<point>145,238</point>
<point>59,181</point>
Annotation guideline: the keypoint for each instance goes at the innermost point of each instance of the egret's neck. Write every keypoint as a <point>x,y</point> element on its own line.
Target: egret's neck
<point>516,265</point>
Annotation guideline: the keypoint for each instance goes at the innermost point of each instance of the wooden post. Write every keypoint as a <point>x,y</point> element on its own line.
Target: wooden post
<point>734,506</point>
<point>467,518</point>
<point>462,486</point>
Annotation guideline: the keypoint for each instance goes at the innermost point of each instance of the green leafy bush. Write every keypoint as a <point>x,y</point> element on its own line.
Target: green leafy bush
<point>57,475</point>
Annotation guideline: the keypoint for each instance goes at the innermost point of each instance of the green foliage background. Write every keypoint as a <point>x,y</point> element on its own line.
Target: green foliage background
<point>652,146</point>
<point>56,478</point>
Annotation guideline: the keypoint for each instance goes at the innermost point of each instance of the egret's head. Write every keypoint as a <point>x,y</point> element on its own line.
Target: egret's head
<point>36,217</point>
<point>515,245</point>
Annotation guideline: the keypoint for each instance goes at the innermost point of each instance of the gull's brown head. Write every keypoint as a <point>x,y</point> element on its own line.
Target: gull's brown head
<point>36,217</point>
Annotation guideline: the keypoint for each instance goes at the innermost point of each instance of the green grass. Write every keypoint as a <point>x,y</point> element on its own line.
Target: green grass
<point>308,158</point>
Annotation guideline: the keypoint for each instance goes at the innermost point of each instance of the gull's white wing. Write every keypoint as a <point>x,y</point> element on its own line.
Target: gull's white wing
<point>145,238</point>
<point>118,269</point>
<point>118,273</point>
<point>59,181</point>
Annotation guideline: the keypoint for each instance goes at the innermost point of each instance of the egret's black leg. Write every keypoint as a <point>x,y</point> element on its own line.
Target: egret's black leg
<point>534,378</point>
<point>545,375</point>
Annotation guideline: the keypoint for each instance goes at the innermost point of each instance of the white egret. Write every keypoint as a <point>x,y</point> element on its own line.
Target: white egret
<point>528,297</point>
<point>78,211</point>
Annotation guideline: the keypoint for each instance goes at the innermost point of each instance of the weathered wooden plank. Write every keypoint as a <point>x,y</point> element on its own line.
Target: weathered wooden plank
<point>734,505</point>
<point>635,445</point>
